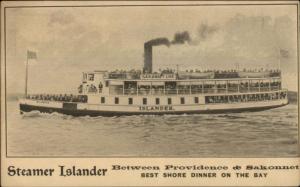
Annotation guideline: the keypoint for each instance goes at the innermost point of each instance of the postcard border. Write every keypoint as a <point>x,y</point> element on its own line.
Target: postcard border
<point>137,5</point>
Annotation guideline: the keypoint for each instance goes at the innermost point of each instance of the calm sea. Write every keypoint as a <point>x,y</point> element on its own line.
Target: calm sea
<point>271,133</point>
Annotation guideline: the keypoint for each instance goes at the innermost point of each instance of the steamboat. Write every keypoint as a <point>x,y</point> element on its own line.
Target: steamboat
<point>144,92</point>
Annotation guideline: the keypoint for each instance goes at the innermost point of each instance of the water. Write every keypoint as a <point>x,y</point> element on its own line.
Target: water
<point>271,133</point>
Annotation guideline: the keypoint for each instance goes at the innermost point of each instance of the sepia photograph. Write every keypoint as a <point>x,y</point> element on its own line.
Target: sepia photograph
<point>149,80</point>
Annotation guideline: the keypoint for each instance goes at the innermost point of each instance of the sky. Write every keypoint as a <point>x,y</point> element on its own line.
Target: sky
<point>69,41</point>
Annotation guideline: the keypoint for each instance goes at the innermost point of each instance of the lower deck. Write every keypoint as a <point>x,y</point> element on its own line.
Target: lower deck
<point>173,111</point>
<point>125,105</point>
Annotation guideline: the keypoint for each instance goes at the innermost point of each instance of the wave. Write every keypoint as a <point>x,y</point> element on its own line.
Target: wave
<point>227,116</point>
<point>36,113</point>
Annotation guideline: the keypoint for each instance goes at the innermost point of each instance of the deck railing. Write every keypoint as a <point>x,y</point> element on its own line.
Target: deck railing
<point>187,91</point>
<point>58,97</point>
<point>246,98</point>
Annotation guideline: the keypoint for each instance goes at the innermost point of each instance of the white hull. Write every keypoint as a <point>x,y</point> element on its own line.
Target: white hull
<point>99,109</point>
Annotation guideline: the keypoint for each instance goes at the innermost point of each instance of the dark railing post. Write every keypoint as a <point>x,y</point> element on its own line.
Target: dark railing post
<point>248,85</point>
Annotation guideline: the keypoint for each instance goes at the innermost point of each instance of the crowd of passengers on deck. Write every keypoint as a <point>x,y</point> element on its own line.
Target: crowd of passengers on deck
<point>131,89</point>
<point>245,98</point>
<point>58,97</point>
<point>169,70</point>
<point>90,88</point>
<point>234,70</point>
<point>136,73</point>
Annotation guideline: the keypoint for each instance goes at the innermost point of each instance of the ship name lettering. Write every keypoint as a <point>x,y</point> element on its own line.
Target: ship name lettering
<point>158,76</point>
<point>74,171</point>
<point>156,108</point>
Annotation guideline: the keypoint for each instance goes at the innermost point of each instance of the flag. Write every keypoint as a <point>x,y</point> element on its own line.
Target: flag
<point>284,53</point>
<point>31,55</point>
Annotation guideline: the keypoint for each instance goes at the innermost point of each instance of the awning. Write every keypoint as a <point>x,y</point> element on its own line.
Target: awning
<point>183,83</point>
<point>156,83</point>
<point>197,83</point>
<point>144,83</point>
<point>221,82</point>
<point>233,81</point>
<point>115,83</point>
<point>149,83</point>
<point>209,82</point>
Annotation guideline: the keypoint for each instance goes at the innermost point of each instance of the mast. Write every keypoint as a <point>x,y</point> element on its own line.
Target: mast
<point>30,55</point>
<point>26,76</point>
<point>279,60</point>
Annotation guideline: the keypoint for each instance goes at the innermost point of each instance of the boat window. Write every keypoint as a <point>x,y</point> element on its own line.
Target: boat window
<point>157,101</point>
<point>102,99</point>
<point>91,77</point>
<point>116,100</point>
<point>130,101</point>
<point>233,86</point>
<point>182,100</point>
<point>169,101</point>
<point>144,101</point>
<point>196,99</point>
<point>130,88</point>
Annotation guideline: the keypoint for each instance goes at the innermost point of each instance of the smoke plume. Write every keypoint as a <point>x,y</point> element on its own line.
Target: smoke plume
<point>181,38</point>
<point>204,32</point>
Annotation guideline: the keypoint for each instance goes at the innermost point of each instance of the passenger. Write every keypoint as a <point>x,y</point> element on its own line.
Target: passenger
<point>80,88</point>
<point>100,87</point>
<point>132,91</point>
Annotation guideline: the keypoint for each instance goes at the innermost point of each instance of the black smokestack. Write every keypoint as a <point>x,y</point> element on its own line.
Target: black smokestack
<point>147,59</point>
<point>148,52</point>
<point>179,38</point>
<point>158,41</point>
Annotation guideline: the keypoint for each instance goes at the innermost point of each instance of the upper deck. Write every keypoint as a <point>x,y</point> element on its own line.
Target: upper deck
<point>170,82</point>
<point>191,74</point>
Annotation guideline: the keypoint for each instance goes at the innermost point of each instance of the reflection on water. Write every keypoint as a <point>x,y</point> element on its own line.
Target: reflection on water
<point>268,133</point>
